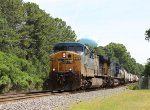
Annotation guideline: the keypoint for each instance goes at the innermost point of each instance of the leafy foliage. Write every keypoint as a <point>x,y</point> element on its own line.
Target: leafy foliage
<point>147,68</point>
<point>119,54</point>
<point>17,73</point>
<point>133,86</point>
<point>147,33</point>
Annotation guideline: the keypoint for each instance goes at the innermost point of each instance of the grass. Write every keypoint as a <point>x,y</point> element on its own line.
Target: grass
<point>129,100</point>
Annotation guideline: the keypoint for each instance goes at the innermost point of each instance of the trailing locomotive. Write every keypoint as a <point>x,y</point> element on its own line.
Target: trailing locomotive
<point>74,66</point>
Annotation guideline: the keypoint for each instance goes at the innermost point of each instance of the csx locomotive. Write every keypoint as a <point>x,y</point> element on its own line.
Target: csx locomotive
<point>73,66</point>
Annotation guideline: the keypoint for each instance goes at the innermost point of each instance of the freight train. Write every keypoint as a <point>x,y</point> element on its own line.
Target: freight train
<point>73,66</point>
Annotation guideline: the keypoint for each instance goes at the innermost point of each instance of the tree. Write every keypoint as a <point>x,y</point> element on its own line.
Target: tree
<point>147,68</point>
<point>147,33</point>
<point>119,54</point>
<point>100,51</point>
<point>7,36</point>
<point>117,51</point>
<point>17,73</point>
<point>12,11</point>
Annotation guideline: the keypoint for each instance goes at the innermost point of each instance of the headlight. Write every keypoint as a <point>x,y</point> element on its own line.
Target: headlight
<point>54,69</point>
<point>64,55</point>
<point>70,69</point>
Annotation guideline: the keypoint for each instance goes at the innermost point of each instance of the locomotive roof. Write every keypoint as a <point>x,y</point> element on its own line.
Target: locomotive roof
<point>69,44</point>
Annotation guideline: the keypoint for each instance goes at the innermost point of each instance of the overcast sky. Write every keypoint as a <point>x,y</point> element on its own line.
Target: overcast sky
<point>105,21</point>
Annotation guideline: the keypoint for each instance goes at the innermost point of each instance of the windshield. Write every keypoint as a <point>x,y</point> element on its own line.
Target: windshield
<point>60,48</point>
<point>68,48</point>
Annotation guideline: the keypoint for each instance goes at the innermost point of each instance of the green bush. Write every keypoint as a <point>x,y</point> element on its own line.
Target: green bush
<point>133,86</point>
<point>17,74</point>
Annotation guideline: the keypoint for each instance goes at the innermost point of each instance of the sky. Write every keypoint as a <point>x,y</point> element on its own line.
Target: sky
<point>105,21</point>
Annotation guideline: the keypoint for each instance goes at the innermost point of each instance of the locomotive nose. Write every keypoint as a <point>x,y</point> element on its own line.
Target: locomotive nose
<point>65,70</point>
<point>65,61</point>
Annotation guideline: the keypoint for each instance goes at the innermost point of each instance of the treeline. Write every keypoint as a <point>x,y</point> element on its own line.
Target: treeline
<point>119,54</point>
<point>27,35</point>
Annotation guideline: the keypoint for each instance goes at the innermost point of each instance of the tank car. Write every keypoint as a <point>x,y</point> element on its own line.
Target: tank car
<point>130,77</point>
<point>126,76</point>
<point>135,78</point>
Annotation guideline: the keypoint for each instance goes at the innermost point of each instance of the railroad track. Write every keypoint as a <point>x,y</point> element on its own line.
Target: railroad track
<point>24,96</point>
<point>16,97</point>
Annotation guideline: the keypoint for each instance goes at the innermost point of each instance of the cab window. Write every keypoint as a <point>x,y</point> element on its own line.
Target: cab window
<point>71,48</point>
<point>60,48</point>
<point>68,47</point>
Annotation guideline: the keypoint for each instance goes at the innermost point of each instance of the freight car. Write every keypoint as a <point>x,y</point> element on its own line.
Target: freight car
<point>73,66</point>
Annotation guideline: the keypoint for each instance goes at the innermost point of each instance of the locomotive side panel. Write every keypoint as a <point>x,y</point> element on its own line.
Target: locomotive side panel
<point>96,66</point>
<point>87,65</point>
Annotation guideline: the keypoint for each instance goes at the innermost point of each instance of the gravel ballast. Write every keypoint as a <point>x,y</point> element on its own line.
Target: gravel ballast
<point>62,101</point>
